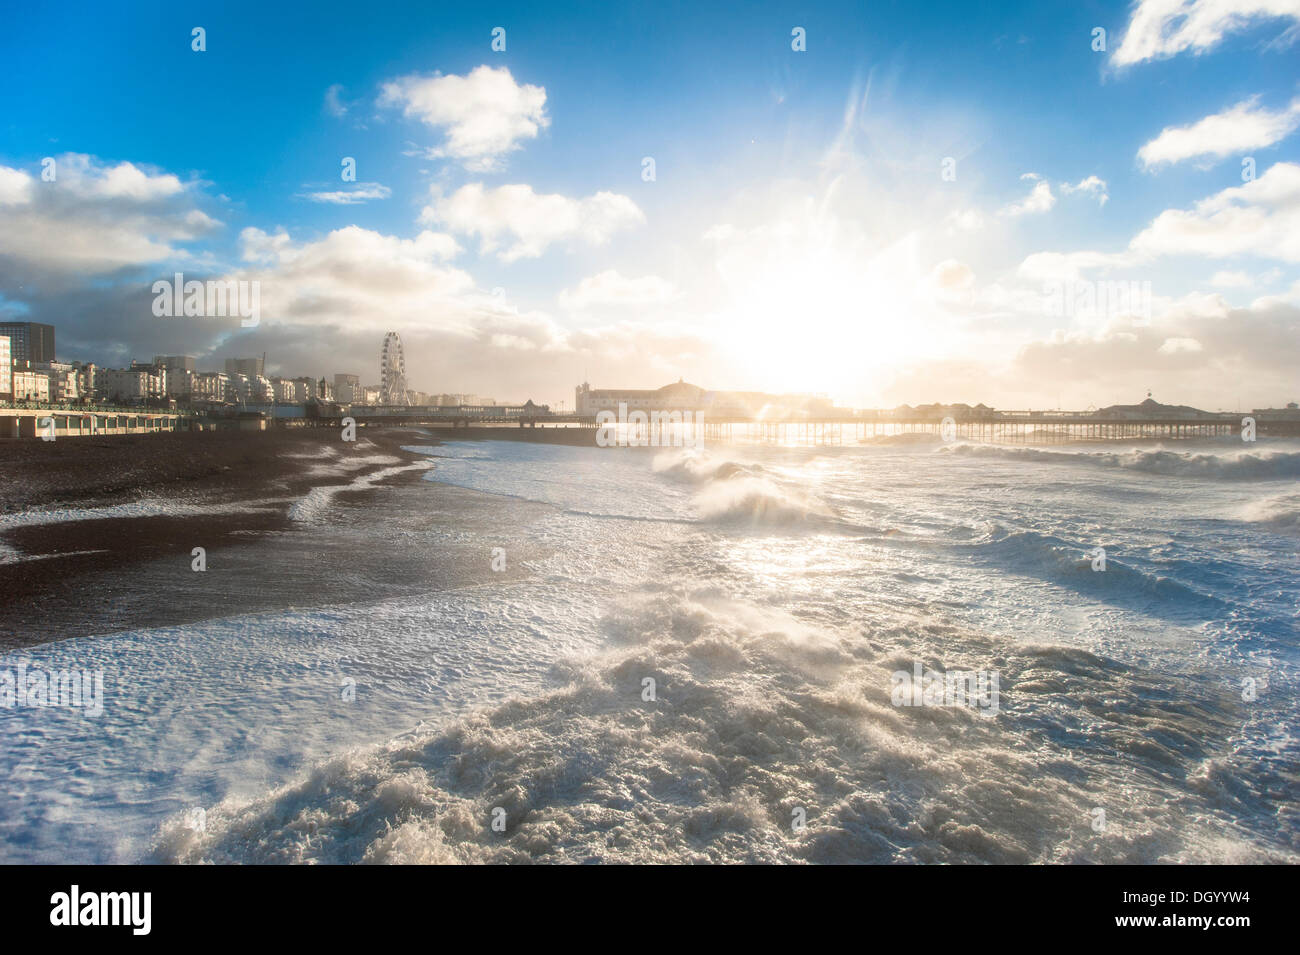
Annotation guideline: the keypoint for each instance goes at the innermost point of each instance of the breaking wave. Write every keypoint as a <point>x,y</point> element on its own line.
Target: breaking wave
<point>735,491</point>
<point>698,467</point>
<point>758,720</point>
<point>740,492</point>
<point>759,501</point>
<point>1239,465</point>
<point>1281,511</point>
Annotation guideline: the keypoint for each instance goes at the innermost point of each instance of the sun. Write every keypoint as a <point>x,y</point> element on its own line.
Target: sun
<point>825,320</point>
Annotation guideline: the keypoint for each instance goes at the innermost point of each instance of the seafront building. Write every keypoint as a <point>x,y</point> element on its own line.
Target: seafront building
<point>87,378</point>
<point>29,341</point>
<point>347,388</point>
<point>63,378</point>
<point>176,363</point>
<point>252,367</point>
<point>180,384</point>
<point>211,387</point>
<point>30,385</point>
<point>29,374</point>
<point>306,388</point>
<point>286,391</point>
<point>252,389</point>
<point>82,398</point>
<point>6,370</point>
<point>138,383</point>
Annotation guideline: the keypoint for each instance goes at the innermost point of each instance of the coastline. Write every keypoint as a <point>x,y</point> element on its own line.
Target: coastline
<point>77,513</point>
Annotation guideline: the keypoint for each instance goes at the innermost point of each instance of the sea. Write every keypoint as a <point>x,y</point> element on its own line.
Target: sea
<point>538,653</point>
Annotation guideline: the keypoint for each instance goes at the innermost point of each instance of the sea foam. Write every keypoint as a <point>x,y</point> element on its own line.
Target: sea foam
<point>759,719</point>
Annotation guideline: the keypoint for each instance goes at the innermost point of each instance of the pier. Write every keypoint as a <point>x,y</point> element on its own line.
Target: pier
<point>994,427</point>
<point>1019,427</point>
<point>1003,427</point>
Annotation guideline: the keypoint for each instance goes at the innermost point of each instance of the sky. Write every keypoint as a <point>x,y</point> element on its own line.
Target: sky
<point>1026,204</point>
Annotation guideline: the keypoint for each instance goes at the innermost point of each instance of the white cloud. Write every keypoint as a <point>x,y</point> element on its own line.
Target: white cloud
<point>532,221</point>
<point>1259,218</point>
<point>1225,279</point>
<point>333,103</point>
<point>128,181</point>
<point>1287,296</point>
<point>1040,199</point>
<point>1172,346</point>
<point>94,218</point>
<point>964,220</point>
<point>358,278</point>
<point>326,304</point>
<point>363,247</point>
<point>15,187</point>
<point>484,114</point>
<point>610,289</point>
<point>1091,186</point>
<point>1243,127</point>
<point>1070,266</point>
<point>362,192</point>
<point>1163,28</point>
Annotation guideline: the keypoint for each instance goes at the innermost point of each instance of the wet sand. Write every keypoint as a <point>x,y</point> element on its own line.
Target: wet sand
<point>68,577</point>
<point>88,472</point>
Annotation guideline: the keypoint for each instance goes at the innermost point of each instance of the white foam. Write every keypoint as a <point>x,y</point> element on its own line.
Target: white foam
<point>757,500</point>
<point>10,556</point>
<point>1277,510</point>
<point>758,717</point>
<point>149,507</point>
<point>316,502</point>
<point>1246,465</point>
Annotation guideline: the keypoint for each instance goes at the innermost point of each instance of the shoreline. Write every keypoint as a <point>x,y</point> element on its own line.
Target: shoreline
<point>77,514</point>
<point>81,518</point>
<point>231,465</point>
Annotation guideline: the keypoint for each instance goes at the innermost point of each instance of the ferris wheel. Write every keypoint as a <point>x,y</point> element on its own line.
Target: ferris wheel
<point>392,371</point>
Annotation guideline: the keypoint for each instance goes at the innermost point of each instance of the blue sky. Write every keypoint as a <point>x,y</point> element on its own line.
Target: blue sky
<point>797,233</point>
